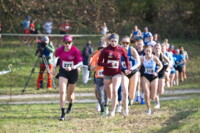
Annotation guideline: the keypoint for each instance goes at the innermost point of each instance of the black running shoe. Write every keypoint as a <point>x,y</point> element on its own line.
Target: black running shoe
<point>68,110</point>
<point>62,118</point>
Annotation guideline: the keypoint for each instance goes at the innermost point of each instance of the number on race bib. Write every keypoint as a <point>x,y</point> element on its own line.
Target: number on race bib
<point>124,64</point>
<point>115,62</point>
<point>100,73</point>
<point>66,64</point>
<point>149,70</point>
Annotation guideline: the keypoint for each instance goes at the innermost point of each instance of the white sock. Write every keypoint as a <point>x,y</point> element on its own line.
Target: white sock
<point>138,93</point>
<point>142,96</point>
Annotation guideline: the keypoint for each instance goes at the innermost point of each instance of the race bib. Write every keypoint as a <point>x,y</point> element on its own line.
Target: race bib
<point>66,64</point>
<point>116,63</point>
<point>124,64</point>
<point>100,73</point>
<point>149,70</point>
<point>146,39</point>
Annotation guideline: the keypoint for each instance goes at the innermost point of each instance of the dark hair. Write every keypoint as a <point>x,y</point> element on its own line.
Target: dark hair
<point>181,52</point>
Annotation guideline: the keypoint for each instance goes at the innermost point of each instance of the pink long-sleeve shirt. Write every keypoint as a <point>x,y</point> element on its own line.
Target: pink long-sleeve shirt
<point>69,58</point>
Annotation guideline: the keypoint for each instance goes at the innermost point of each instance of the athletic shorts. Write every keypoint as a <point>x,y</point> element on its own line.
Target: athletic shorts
<point>161,74</point>
<point>141,70</point>
<point>179,68</point>
<point>131,74</point>
<point>110,77</point>
<point>173,70</point>
<point>72,75</point>
<point>150,77</point>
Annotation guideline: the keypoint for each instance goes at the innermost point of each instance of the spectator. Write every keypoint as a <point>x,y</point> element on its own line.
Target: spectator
<point>48,26</point>
<point>86,52</point>
<point>48,51</point>
<point>26,26</point>
<point>38,27</point>
<point>104,29</point>
<point>64,29</point>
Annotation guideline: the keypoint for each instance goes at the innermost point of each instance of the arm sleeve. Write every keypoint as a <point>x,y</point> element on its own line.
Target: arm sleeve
<point>50,47</point>
<point>80,64</point>
<point>101,59</point>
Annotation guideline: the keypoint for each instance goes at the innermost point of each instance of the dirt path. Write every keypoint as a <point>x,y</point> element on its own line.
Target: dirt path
<point>30,98</point>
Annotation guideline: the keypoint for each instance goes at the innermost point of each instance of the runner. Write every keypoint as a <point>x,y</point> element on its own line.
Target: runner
<point>129,78</point>
<point>100,89</point>
<point>104,39</point>
<point>136,34</point>
<point>110,59</point>
<point>184,53</point>
<point>156,38</point>
<point>146,34</point>
<point>161,75</point>
<point>169,55</point>
<point>140,90</point>
<point>166,43</point>
<point>150,76</point>
<point>70,61</point>
<point>179,61</point>
<point>151,42</point>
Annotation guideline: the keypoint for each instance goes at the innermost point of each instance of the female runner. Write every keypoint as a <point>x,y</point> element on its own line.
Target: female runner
<point>70,61</point>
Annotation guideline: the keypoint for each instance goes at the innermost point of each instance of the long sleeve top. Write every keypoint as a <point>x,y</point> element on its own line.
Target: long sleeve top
<point>111,55</point>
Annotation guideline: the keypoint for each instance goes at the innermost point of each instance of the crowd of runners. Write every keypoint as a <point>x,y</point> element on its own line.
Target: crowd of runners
<point>136,68</point>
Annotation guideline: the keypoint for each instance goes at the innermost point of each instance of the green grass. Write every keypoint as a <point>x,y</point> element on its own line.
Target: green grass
<point>23,58</point>
<point>175,116</point>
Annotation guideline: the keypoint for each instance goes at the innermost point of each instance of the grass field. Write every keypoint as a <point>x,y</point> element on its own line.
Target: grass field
<point>175,116</point>
<point>23,58</point>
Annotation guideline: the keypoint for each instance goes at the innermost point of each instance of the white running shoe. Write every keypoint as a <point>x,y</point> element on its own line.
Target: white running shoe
<point>148,112</point>
<point>119,108</point>
<point>106,110</point>
<point>112,113</point>
<point>98,108</point>
<point>125,113</point>
<point>157,106</point>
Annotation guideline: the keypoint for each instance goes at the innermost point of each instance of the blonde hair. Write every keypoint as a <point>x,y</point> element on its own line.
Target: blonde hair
<point>105,37</point>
